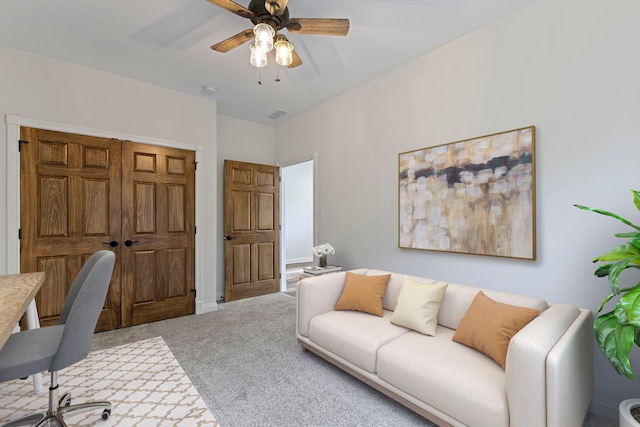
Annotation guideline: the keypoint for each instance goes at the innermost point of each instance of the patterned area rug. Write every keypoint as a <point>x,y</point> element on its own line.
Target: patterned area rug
<point>144,382</point>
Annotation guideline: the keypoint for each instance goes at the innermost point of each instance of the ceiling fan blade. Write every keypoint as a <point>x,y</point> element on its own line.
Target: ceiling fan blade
<point>233,7</point>
<point>296,60</point>
<point>276,7</point>
<point>321,26</point>
<point>233,41</point>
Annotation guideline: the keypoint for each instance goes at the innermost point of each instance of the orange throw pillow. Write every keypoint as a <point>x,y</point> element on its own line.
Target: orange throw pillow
<point>489,325</point>
<point>363,293</point>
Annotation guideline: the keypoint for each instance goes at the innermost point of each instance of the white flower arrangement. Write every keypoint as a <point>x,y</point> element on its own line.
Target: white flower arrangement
<point>323,250</point>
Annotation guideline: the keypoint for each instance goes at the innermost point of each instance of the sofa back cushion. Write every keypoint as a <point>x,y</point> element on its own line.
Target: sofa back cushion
<point>457,298</point>
<point>390,298</point>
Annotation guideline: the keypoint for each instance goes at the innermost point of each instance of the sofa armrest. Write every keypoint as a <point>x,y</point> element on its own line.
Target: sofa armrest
<point>526,368</point>
<point>317,295</point>
<point>570,374</point>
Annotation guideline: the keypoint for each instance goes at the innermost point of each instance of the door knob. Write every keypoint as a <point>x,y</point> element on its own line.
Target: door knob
<point>112,243</point>
<point>228,237</point>
<point>129,242</point>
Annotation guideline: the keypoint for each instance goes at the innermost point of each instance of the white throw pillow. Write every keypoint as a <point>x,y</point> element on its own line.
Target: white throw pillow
<point>418,305</point>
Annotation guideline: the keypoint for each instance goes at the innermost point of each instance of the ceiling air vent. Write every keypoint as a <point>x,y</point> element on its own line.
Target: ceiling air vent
<point>277,114</point>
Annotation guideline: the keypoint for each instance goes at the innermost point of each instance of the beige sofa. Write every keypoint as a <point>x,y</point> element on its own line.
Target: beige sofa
<point>548,379</point>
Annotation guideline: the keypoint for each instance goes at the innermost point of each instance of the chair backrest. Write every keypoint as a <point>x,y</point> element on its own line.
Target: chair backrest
<point>82,308</point>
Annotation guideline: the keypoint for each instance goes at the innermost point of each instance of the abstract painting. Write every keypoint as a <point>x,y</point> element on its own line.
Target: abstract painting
<point>475,196</point>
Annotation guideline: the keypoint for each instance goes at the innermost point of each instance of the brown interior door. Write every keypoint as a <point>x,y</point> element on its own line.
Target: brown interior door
<point>80,194</point>
<point>69,208</point>
<point>158,232</point>
<point>251,230</point>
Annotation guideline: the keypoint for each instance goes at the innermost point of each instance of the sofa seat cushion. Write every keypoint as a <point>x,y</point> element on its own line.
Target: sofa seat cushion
<point>353,335</point>
<point>447,375</point>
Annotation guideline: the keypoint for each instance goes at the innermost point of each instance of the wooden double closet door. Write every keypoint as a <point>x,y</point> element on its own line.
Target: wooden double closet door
<point>80,194</point>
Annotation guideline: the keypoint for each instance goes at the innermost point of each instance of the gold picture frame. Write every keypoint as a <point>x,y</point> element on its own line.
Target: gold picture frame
<point>475,196</point>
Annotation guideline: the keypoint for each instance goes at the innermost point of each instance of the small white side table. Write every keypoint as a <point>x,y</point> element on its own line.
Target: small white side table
<point>319,271</point>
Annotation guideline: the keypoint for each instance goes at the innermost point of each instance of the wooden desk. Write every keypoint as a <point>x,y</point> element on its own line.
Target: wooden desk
<point>16,293</point>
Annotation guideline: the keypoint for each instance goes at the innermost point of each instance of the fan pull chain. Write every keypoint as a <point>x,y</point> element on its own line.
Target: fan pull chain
<point>260,76</point>
<point>277,73</point>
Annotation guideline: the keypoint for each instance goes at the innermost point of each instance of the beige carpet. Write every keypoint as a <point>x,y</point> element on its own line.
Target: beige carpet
<point>144,382</point>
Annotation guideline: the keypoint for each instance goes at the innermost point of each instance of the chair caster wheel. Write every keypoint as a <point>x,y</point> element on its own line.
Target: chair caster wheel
<point>105,414</point>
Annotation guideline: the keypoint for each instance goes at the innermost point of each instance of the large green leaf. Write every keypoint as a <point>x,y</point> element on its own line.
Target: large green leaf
<point>636,199</point>
<point>615,341</point>
<point>619,218</point>
<point>614,273</point>
<point>605,301</point>
<point>629,235</point>
<point>620,253</point>
<point>603,270</point>
<point>621,315</point>
<point>630,303</point>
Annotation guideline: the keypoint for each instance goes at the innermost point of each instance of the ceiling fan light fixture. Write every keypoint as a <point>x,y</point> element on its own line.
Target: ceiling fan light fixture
<point>284,51</point>
<point>258,57</point>
<point>264,37</point>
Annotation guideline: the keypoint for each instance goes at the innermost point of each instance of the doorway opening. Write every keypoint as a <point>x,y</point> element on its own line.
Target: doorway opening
<point>298,219</point>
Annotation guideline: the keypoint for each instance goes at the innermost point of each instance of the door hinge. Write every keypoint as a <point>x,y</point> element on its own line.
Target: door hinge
<point>19,233</point>
<point>195,230</point>
<point>194,292</point>
<point>195,166</point>
<point>20,142</point>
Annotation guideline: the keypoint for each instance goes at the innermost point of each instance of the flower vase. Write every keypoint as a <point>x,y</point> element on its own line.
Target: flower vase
<point>322,261</point>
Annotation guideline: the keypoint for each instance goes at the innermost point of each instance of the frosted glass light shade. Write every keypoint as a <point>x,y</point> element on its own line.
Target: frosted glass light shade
<point>264,37</point>
<point>258,57</point>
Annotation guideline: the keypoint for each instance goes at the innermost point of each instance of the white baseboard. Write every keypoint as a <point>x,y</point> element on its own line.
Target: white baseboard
<point>202,308</point>
<point>604,408</point>
<point>298,260</point>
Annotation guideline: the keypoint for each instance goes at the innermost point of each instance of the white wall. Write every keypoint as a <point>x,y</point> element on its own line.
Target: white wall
<point>566,66</point>
<point>38,88</point>
<point>297,192</point>
<point>242,141</point>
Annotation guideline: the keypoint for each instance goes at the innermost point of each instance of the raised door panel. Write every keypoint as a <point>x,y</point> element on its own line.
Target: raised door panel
<point>241,264</point>
<point>53,202</point>
<point>241,211</point>
<point>144,208</point>
<point>177,208</point>
<point>145,268</point>
<point>51,295</point>
<point>266,255</point>
<point>265,212</point>
<point>176,272</point>
<point>95,215</point>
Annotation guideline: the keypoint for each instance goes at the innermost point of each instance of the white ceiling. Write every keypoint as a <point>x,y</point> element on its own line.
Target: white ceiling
<point>167,43</point>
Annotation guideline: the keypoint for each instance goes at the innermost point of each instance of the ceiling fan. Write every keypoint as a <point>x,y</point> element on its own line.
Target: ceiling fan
<point>269,17</point>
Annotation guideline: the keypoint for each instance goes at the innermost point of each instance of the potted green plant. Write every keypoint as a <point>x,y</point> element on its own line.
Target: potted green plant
<point>618,330</point>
